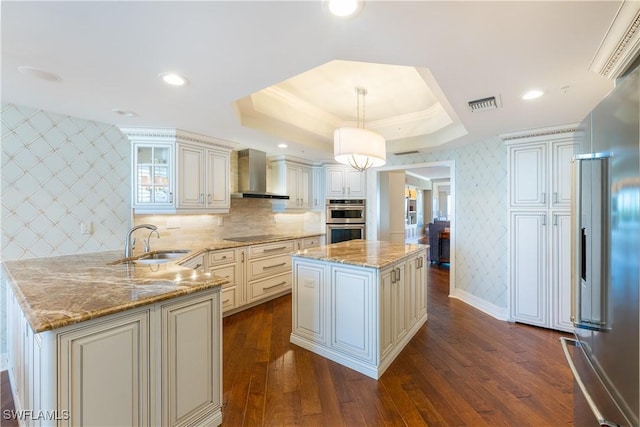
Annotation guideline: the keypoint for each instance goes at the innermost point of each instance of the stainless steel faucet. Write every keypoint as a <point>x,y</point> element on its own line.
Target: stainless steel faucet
<point>129,244</point>
<point>147,241</point>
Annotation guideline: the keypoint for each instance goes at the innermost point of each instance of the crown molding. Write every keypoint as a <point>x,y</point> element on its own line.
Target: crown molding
<point>540,133</point>
<point>173,135</point>
<point>621,43</point>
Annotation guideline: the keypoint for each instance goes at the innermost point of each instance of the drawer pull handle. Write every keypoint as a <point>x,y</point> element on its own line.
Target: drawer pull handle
<point>266,267</point>
<point>226,301</point>
<point>197,266</point>
<point>279,248</point>
<point>274,286</point>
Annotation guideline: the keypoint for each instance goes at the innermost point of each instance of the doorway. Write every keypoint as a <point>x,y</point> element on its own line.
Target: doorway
<point>384,205</point>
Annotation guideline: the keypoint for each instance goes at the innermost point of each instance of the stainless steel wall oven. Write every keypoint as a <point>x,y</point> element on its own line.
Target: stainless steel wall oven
<point>345,220</point>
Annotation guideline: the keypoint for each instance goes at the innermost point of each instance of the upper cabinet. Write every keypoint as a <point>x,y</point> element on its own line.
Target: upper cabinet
<point>177,171</point>
<point>153,175</point>
<point>540,171</point>
<point>294,180</point>
<point>344,182</point>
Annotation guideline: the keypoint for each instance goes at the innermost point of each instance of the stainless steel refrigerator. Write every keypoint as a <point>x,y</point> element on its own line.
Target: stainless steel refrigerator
<point>604,356</point>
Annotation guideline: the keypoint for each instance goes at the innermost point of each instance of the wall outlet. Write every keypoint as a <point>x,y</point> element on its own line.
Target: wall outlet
<point>86,227</point>
<point>173,222</point>
<point>220,220</point>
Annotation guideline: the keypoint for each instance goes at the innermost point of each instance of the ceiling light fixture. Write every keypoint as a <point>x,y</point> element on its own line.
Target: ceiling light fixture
<point>356,146</point>
<point>173,79</point>
<point>532,94</point>
<point>282,145</point>
<point>344,8</point>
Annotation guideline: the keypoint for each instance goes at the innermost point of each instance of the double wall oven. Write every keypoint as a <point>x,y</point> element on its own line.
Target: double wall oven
<point>345,220</point>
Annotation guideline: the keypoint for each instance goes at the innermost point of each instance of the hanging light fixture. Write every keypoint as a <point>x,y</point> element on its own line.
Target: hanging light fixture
<point>356,146</point>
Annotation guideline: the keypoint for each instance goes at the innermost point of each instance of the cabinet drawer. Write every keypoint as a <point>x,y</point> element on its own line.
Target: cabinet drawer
<point>196,263</point>
<point>266,267</point>
<point>222,257</point>
<point>228,272</point>
<point>311,242</point>
<point>270,249</point>
<point>272,285</point>
<point>228,298</point>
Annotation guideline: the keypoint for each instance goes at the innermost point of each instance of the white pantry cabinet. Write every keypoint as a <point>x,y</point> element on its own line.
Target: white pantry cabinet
<point>174,171</point>
<point>539,177</point>
<point>154,365</point>
<point>344,182</point>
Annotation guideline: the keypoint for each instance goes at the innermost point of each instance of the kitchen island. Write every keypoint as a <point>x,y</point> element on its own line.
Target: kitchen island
<point>98,342</point>
<point>359,302</point>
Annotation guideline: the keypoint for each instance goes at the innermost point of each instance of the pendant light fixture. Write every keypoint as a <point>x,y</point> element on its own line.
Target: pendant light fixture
<point>356,146</point>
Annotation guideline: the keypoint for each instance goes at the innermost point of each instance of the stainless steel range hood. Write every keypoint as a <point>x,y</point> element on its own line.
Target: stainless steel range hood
<point>252,176</point>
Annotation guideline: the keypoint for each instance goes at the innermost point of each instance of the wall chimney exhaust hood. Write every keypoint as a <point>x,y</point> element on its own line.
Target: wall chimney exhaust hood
<point>252,176</point>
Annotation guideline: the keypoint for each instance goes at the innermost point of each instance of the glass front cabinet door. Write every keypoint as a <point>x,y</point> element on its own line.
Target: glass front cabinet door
<point>153,176</point>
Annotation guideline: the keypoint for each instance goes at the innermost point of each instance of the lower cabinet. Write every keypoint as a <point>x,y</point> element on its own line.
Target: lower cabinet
<point>361,317</point>
<point>154,365</point>
<point>539,268</point>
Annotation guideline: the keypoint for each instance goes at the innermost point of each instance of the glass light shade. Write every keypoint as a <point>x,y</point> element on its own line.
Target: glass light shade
<point>359,148</point>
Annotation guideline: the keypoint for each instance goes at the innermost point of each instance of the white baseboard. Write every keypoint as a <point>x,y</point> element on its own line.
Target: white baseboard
<point>4,362</point>
<point>500,313</point>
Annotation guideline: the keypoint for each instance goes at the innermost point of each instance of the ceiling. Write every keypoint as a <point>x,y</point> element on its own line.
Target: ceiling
<point>108,56</point>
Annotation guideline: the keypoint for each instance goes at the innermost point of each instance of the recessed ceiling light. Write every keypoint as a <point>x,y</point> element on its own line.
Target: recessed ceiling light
<point>532,94</point>
<point>173,79</point>
<point>39,73</point>
<point>344,8</point>
<point>126,113</point>
<point>283,145</point>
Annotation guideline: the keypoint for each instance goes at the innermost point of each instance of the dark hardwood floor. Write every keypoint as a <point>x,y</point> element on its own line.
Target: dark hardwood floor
<point>463,368</point>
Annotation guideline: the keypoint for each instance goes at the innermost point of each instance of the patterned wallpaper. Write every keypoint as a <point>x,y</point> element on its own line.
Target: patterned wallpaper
<point>481,217</point>
<point>59,171</point>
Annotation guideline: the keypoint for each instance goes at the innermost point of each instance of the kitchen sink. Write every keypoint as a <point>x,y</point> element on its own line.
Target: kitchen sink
<point>160,257</point>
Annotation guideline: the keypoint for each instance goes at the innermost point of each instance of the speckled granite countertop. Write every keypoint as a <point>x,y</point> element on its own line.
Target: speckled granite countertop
<point>363,253</point>
<point>59,291</point>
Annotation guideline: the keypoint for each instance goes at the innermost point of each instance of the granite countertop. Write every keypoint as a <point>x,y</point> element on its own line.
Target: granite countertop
<point>60,291</point>
<point>363,253</point>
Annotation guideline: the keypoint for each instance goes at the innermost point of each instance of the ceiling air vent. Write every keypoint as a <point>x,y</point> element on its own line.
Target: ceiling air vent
<point>483,104</point>
<point>406,153</point>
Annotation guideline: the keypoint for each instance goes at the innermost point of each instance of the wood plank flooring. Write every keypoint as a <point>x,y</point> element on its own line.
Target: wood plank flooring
<point>463,368</point>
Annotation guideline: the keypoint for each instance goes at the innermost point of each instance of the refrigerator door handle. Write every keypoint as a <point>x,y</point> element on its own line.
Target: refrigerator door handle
<point>589,241</point>
<point>583,388</point>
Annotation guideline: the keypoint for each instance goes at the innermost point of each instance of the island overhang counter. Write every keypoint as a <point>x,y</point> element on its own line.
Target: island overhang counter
<point>359,302</point>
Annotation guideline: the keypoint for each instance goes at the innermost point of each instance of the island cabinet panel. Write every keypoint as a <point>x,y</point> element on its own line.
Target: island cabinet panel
<point>357,315</point>
<point>309,314</point>
<point>103,367</point>
<point>191,361</point>
<point>353,320</point>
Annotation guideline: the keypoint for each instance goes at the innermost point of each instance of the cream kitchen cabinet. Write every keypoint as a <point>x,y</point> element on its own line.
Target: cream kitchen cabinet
<point>539,180</point>
<point>361,317</point>
<point>540,172</point>
<point>230,264</point>
<point>294,180</point>
<point>203,178</point>
<point>344,182</point>
<point>174,171</point>
<point>318,193</point>
<point>269,270</point>
<point>158,364</point>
